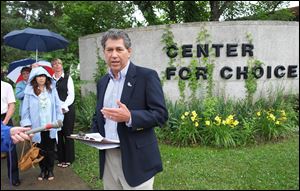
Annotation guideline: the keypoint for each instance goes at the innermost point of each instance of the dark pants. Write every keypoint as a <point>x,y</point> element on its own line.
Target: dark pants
<point>65,146</point>
<point>12,155</point>
<point>47,146</point>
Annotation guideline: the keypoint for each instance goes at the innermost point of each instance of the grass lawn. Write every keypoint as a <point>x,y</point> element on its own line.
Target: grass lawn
<point>269,166</point>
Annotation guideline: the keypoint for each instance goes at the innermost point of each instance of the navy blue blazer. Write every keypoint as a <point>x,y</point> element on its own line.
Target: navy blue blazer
<point>141,158</point>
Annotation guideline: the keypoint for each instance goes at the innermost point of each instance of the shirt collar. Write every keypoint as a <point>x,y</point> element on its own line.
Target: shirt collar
<point>62,76</point>
<point>122,73</point>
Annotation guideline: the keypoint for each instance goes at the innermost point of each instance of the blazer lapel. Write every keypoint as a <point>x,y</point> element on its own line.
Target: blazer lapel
<point>129,84</point>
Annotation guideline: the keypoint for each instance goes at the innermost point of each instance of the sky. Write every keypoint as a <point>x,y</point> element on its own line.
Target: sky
<point>294,3</point>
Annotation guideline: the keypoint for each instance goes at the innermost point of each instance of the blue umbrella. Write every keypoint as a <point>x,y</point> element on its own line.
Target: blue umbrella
<point>32,39</point>
<point>14,68</point>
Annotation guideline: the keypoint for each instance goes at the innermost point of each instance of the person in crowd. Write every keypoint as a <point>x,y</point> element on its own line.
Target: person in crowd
<point>41,106</point>
<point>130,103</point>
<point>20,86</point>
<point>7,110</point>
<point>65,89</point>
<point>12,135</point>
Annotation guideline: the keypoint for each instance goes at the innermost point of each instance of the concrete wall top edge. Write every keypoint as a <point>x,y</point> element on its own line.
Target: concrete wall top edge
<point>193,24</point>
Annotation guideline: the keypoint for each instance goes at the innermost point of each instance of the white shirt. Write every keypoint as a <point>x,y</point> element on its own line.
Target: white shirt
<point>71,95</point>
<point>112,94</point>
<point>7,96</point>
<point>45,108</point>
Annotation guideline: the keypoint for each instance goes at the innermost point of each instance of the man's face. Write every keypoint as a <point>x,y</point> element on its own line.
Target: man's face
<point>116,55</point>
<point>57,66</point>
<point>25,75</point>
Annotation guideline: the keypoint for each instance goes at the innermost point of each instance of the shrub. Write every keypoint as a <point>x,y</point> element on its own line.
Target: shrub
<point>271,124</point>
<point>218,122</point>
<point>85,111</point>
<point>188,133</point>
<point>220,132</point>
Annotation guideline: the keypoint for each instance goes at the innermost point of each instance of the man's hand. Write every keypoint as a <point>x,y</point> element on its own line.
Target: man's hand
<point>18,134</point>
<point>34,65</point>
<point>121,114</point>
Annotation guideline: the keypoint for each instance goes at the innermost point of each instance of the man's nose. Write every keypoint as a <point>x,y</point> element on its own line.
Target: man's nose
<point>114,53</point>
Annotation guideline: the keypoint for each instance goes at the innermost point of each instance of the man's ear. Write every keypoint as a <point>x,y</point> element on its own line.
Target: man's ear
<point>129,51</point>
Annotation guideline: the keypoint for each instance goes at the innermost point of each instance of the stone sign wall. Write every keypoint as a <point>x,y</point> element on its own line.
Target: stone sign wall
<point>229,46</point>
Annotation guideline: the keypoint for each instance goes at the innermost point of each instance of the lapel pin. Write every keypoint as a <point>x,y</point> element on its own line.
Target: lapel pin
<point>129,84</point>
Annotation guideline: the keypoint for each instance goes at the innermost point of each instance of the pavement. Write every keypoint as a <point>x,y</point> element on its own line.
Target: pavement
<point>65,178</point>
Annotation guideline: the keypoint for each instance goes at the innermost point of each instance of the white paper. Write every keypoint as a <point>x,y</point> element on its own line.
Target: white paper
<point>99,138</point>
<point>96,140</point>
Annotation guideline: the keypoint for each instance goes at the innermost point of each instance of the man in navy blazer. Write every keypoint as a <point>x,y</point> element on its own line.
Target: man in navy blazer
<point>130,103</point>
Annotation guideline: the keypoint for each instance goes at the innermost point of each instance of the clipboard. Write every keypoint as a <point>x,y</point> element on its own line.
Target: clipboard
<point>96,140</point>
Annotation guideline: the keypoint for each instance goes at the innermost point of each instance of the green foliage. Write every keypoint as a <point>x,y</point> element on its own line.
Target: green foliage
<point>205,38</point>
<point>195,11</point>
<point>262,10</point>
<point>97,16</point>
<point>85,110</point>
<point>174,110</point>
<point>169,12</point>
<point>270,124</point>
<point>193,82</point>
<point>220,132</point>
<point>282,15</point>
<point>210,106</point>
<point>181,87</point>
<point>187,133</point>
<point>251,81</point>
<point>230,123</point>
<point>275,117</point>
<point>168,40</point>
<point>101,68</point>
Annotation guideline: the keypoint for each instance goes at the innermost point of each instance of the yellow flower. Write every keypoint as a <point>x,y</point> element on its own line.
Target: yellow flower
<point>186,113</point>
<point>271,116</point>
<point>182,117</point>
<point>193,118</point>
<point>230,117</point>
<point>235,123</point>
<point>218,119</point>
<point>223,122</point>
<point>258,113</point>
<point>194,113</point>
<point>207,123</point>
<point>283,113</point>
<point>277,122</point>
<point>282,118</point>
<point>196,124</point>
<point>228,121</point>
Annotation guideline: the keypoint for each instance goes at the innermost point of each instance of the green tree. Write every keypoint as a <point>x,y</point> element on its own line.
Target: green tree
<point>166,12</point>
<point>262,10</point>
<point>70,19</point>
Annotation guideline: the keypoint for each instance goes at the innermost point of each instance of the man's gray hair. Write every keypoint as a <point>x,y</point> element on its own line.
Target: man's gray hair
<point>116,34</point>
